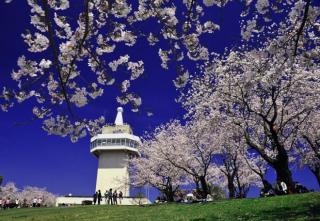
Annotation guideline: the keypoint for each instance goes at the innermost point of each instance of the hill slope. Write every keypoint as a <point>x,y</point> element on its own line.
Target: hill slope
<point>293,207</point>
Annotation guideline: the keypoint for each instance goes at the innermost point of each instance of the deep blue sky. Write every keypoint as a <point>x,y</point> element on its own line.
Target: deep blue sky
<point>28,156</point>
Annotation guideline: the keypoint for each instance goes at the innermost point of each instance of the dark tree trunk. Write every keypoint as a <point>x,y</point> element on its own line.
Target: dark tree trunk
<point>244,191</point>
<point>170,196</point>
<point>204,186</point>
<point>169,192</point>
<point>266,184</point>
<point>197,184</point>
<point>281,165</point>
<point>284,174</point>
<point>231,188</point>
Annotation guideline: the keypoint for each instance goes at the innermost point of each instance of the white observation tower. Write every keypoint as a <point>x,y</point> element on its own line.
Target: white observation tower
<point>113,147</point>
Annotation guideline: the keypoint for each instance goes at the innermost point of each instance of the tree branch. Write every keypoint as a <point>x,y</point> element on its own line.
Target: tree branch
<point>303,23</point>
<point>55,54</point>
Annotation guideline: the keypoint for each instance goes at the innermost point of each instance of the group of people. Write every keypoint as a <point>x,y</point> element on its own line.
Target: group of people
<point>111,198</point>
<point>281,188</point>
<point>7,203</point>
<point>37,202</point>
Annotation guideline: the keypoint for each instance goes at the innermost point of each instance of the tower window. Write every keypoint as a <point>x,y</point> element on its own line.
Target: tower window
<point>114,142</point>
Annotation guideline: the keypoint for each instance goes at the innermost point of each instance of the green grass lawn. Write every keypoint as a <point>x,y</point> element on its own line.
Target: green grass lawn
<point>292,207</point>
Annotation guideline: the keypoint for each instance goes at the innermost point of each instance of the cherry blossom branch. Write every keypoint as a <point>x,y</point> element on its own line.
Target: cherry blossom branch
<point>55,54</point>
<point>312,145</point>
<point>82,41</point>
<point>303,23</point>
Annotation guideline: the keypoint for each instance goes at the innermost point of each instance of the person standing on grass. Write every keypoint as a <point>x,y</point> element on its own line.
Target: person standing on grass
<point>4,203</point>
<point>99,197</point>
<point>110,197</point>
<point>25,204</point>
<point>7,204</point>
<point>94,198</point>
<point>120,197</point>
<point>34,202</point>
<point>115,196</point>
<point>17,203</point>
<point>106,196</point>
<point>40,202</point>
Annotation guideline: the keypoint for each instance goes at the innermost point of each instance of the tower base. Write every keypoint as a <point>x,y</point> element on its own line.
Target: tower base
<point>87,200</point>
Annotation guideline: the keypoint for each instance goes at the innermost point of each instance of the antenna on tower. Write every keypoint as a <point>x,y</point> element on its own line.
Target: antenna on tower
<point>119,118</point>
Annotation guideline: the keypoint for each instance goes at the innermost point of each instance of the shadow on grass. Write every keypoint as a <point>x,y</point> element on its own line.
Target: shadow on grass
<point>211,218</point>
<point>301,212</point>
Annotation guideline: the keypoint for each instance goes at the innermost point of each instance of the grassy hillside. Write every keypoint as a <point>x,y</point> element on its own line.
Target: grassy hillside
<point>293,207</point>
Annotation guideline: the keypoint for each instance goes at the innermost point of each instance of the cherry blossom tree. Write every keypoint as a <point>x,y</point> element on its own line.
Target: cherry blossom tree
<point>176,149</point>
<point>9,191</point>
<point>229,170</point>
<point>271,105</point>
<point>62,38</point>
<point>29,193</point>
<point>267,92</point>
<point>190,148</point>
<point>266,97</point>
<point>151,168</point>
<point>204,150</point>
<point>233,165</point>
